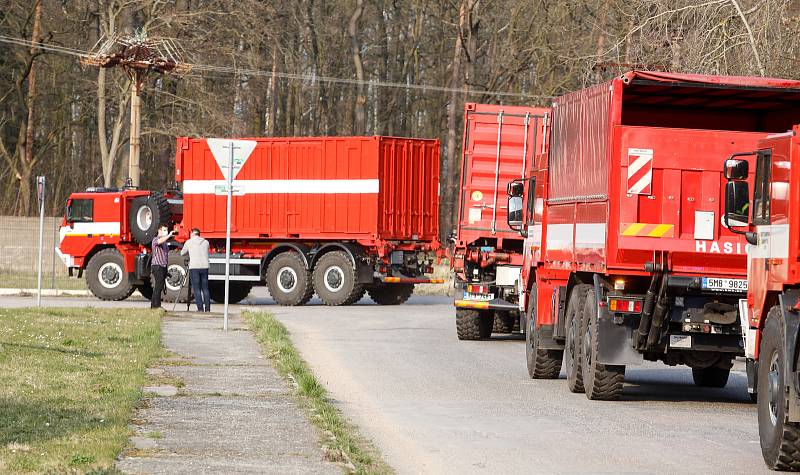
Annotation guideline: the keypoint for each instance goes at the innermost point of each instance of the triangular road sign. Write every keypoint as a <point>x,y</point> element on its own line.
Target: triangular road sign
<point>221,149</point>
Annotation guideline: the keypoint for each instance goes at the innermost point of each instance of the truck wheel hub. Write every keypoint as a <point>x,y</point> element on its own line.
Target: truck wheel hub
<point>176,276</point>
<point>773,388</point>
<point>110,275</point>
<point>334,278</point>
<point>587,348</point>
<point>287,279</point>
<point>571,341</point>
<point>144,217</point>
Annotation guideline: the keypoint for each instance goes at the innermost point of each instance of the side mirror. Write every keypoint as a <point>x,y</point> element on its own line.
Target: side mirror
<point>515,212</point>
<point>515,189</point>
<point>737,205</point>
<point>736,169</point>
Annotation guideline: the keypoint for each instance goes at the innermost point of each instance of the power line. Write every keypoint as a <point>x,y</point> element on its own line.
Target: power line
<point>284,75</point>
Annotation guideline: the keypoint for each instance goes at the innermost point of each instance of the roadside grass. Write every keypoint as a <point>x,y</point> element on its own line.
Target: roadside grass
<point>69,381</point>
<point>28,280</point>
<point>344,444</point>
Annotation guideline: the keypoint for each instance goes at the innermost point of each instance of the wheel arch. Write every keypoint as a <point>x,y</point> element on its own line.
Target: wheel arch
<point>301,249</point>
<point>357,255</point>
<point>353,251</point>
<point>93,251</point>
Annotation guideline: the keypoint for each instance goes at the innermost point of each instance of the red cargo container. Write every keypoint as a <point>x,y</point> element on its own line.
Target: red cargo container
<point>339,216</point>
<point>633,261</point>
<point>371,189</point>
<point>500,144</point>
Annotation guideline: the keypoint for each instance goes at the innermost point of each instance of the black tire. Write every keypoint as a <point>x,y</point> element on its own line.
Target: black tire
<point>780,439</point>
<point>106,276</point>
<point>712,377</point>
<point>600,382</point>
<point>146,214</point>
<point>572,344</point>
<point>503,322</point>
<point>146,289</point>
<point>390,294</point>
<point>334,279</point>
<point>542,363</point>
<point>177,286</point>
<point>237,291</point>
<point>473,324</point>
<point>288,280</point>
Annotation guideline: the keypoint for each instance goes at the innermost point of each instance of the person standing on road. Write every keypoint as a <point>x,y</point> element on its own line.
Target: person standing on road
<point>197,248</point>
<point>158,263</point>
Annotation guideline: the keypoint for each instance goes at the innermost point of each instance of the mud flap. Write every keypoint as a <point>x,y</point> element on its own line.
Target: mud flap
<point>791,321</point>
<point>751,367</point>
<point>614,341</point>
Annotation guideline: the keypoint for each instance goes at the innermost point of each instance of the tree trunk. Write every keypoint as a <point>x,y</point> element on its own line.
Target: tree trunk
<point>26,157</point>
<point>449,163</point>
<point>359,116</point>
<point>272,106</point>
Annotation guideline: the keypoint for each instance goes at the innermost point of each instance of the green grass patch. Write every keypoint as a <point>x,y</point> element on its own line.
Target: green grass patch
<point>344,443</point>
<point>28,280</point>
<point>69,381</point>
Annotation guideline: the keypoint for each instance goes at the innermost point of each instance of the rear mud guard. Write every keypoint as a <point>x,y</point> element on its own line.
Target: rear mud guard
<point>791,321</point>
<point>546,340</point>
<point>360,260</point>
<point>615,345</point>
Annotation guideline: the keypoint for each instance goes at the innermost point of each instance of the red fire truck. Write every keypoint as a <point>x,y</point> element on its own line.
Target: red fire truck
<point>771,223</point>
<point>335,216</point>
<point>499,144</point>
<point>626,256</point>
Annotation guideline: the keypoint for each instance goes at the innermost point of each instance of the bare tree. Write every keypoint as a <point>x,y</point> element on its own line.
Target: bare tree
<point>359,118</point>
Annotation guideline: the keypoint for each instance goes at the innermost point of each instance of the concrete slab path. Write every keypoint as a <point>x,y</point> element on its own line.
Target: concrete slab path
<point>232,414</point>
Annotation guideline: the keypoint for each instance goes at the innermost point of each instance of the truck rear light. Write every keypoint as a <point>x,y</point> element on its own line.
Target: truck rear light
<point>477,289</point>
<point>620,305</point>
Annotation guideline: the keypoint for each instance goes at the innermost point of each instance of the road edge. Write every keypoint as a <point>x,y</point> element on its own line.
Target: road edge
<point>342,441</point>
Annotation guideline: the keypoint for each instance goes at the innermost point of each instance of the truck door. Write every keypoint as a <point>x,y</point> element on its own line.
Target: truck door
<point>758,263</point>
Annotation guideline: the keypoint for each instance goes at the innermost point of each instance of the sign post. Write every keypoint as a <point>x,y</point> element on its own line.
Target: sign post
<point>230,174</point>
<point>230,156</point>
<point>40,181</point>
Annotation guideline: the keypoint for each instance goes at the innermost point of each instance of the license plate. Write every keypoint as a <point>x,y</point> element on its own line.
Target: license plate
<point>470,296</point>
<point>680,341</point>
<point>728,285</point>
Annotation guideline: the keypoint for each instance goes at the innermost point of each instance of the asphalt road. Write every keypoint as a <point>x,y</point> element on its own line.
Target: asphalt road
<point>434,404</point>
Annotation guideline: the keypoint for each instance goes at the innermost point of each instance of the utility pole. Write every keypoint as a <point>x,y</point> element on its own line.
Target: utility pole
<point>139,56</point>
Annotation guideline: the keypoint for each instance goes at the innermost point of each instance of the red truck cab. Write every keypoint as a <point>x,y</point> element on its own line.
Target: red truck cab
<point>771,223</point>
<point>105,230</point>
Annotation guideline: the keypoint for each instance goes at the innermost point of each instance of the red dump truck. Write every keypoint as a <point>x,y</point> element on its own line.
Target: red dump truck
<point>630,260</point>
<point>500,143</point>
<point>771,223</point>
<point>335,216</point>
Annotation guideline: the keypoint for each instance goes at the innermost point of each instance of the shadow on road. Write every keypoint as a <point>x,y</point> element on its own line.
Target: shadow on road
<point>662,386</point>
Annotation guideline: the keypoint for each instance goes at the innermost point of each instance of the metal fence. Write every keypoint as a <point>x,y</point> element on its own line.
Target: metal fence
<point>19,254</point>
